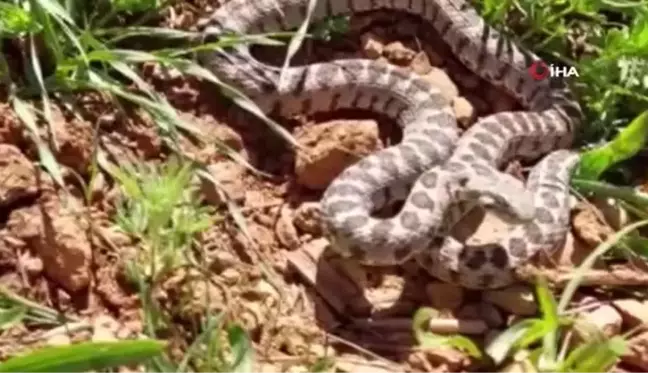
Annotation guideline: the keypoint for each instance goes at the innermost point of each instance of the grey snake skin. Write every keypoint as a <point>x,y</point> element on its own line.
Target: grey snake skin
<point>448,173</point>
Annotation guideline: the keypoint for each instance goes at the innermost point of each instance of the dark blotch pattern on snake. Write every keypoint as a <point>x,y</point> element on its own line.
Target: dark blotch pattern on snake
<point>443,167</point>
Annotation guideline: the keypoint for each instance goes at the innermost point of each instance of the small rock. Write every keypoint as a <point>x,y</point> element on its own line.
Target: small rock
<point>440,79</point>
<point>308,218</point>
<point>332,147</point>
<point>517,299</point>
<point>482,311</point>
<point>32,265</point>
<point>444,295</point>
<point>634,312</point>
<point>12,130</point>
<point>398,53</point>
<point>264,290</point>
<point>228,136</point>
<point>57,232</point>
<point>464,111</point>
<point>229,175</point>
<point>104,329</point>
<point>285,230</point>
<point>571,254</point>
<point>230,275</point>
<point>421,64</point>
<point>59,339</point>
<point>589,228</point>
<point>637,354</point>
<point>75,141</point>
<point>221,259</point>
<point>606,318</point>
<point>372,46</point>
<point>17,176</point>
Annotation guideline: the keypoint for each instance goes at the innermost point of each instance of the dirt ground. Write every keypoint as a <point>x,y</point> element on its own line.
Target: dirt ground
<point>296,301</point>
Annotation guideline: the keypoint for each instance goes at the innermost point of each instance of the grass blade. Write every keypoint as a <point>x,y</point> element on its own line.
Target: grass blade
<point>84,357</point>
<point>627,143</point>
<point>47,159</point>
<point>242,349</point>
<point>428,339</point>
<point>602,189</point>
<point>573,284</point>
<point>297,40</point>
<point>509,339</point>
<point>11,316</point>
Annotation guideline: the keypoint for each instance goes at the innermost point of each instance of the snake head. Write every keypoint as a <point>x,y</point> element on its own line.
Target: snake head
<point>504,192</point>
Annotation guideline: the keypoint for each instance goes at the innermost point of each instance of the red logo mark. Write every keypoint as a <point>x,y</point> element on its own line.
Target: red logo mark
<point>539,70</point>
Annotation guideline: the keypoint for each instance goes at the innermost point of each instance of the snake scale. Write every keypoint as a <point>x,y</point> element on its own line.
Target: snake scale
<point>445,172</point>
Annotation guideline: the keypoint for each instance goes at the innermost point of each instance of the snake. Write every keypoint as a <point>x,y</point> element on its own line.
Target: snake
<point>442,171</point>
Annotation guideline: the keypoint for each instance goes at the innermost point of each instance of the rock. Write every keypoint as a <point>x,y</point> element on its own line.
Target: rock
<point>230,276</point>
<point>75,140</point>
<point>372,46</point>
<point>516,299</point>
<point>633,311</point>
<point>464,111</point>
<point>398,53</point>
<point>214,136</point>
<point>421,64</point>
<point>56,231</point>
<point>11,128</point>
<point>308,218</point>
<point>332,147</point>
<point>229,175</point>
<point>31,264</point>
<point>444,295</point>
<point>571,254</point>
<point>606,318</point>
<point>637,353</point>
<point>440,79</point>
<point>588,227</point>
<point>285,230</point>
<point>17,175</point>
<point>264,290</point>
<point>482,311</point>
<point>104,329</point>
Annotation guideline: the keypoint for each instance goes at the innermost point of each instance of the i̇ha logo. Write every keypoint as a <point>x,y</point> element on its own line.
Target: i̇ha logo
<point>540,71</point>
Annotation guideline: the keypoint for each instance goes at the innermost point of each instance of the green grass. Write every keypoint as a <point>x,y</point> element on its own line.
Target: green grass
<point>87,49</point>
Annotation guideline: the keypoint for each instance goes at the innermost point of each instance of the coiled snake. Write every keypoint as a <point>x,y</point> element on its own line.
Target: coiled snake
<point>447,171</point>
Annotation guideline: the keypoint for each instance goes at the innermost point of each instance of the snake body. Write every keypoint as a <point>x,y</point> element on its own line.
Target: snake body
<point>443,167</point>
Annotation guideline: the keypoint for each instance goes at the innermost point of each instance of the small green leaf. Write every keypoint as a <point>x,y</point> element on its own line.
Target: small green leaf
<point>627,143</point>
<point>15,21</point>
<point>242,349</point>
<point>430,340</point>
